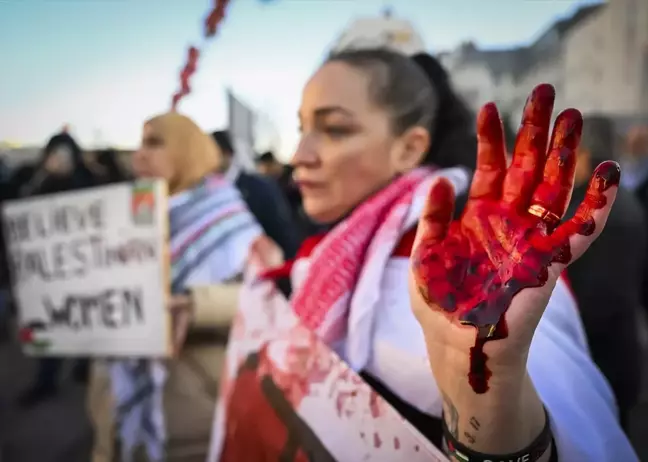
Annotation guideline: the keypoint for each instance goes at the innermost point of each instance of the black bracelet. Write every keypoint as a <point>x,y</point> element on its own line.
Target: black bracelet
<point>531,453</point>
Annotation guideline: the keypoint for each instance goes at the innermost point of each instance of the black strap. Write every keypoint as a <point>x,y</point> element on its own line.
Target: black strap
<point>531,453</point>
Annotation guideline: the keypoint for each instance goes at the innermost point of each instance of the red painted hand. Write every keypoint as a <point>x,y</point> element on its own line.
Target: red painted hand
<point>494,269</point>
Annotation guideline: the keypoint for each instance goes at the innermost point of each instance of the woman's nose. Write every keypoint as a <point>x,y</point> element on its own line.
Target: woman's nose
<point>305,154</point>
<point>138,157</point>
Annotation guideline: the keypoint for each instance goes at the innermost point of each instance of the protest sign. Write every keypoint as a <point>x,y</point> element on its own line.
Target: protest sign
<point>89,270</point>
<point>285,395</point>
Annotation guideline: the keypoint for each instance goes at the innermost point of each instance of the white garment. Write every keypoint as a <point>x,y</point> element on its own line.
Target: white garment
<point>578,398</point>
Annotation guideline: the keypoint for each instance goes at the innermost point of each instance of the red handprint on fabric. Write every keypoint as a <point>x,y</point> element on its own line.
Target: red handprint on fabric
<point>510,233</point>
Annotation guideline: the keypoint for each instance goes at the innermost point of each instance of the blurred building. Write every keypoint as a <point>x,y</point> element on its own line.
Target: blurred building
<point>14,156</point>
<point>597,59</point>
<point>384,31</point>
<point>606,60</point>
<point>480,76</point>
<point>507,76</point>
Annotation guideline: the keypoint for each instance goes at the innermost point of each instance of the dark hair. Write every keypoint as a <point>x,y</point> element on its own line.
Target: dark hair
<point>63,139</point>
<point>109,159</point>
<point>266,157</point>
<point>396,84</point>
<point>224,142</point>
<point>454,141</point>
<point>417,91</point>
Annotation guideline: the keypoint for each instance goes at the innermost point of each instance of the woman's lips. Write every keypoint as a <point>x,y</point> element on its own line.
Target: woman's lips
<point>308,185</point>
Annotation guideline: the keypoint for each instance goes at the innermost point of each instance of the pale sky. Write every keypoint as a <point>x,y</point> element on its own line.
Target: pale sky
<point>105,66</point>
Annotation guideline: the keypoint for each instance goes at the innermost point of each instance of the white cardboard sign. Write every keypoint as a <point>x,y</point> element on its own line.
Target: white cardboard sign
<point>89,271</point>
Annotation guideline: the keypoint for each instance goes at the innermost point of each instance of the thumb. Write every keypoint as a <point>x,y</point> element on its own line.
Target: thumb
<point>437,214</point>
<point>432,228</point>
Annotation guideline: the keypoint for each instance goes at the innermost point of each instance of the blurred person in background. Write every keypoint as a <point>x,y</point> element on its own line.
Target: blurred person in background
<point>635,177</point>
<point>263,197</point>
<point>5,283</point>
<point>109,167</point>
<point>61,168</point>
<point>635,159</point>
<point>369,128</point>
<point>268,165</point>
<point>607,280</point>
<point>162,410</point>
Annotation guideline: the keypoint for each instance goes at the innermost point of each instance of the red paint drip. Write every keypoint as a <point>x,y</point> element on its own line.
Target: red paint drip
<point>396,443</point>
<point>377,440</point>
<point>474,267</point>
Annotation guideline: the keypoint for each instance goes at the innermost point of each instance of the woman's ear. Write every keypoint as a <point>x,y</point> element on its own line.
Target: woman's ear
<point>411,148</point>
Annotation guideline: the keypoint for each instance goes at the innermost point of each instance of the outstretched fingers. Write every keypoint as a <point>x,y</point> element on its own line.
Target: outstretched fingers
<point>529,155</point>
<point>554,193</point>
<point>578,233</point>
<point>491,155</point>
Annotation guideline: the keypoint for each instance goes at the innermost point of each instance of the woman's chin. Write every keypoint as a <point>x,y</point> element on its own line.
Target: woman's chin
<point>322,215</point>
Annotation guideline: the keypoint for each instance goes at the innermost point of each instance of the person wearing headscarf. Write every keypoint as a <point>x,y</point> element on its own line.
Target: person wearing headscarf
<point>162,410</point>
<point>109,167</point>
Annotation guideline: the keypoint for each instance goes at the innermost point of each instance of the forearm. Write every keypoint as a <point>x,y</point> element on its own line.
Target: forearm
<point>505,420</point>
<point>215,305</point>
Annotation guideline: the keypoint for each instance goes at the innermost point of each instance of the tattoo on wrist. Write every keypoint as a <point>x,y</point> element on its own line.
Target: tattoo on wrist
<point>451,416</point>
<point>470,435</point>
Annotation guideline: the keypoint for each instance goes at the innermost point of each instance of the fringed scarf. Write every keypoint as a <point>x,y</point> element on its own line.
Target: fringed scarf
<point>211,231</point>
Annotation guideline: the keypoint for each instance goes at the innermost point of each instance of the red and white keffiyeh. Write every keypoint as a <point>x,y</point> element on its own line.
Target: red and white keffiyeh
<point>340,287</point>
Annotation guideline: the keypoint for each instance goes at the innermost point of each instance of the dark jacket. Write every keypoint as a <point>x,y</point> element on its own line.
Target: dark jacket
<point>641,193</point>
<point>266,202</point>
<point>32,180</point>
<point>607,283</point>
<point>304,225</point>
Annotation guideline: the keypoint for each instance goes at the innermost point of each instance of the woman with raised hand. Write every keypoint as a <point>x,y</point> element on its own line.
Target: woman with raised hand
<point>466,327</point>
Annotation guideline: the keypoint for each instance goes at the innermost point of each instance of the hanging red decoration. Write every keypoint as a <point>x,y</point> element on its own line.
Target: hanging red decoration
<point>212,21</point>
<point>215,17</point>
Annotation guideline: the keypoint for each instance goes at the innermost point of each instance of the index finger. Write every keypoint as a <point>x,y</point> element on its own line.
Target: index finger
<point>491,155</point>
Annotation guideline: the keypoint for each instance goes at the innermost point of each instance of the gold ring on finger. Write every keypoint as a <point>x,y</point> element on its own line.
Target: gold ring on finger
<point>545,215</point>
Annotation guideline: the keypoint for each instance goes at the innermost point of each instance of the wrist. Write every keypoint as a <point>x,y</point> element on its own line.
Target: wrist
<point>541,449</point>
<point>504,420</point>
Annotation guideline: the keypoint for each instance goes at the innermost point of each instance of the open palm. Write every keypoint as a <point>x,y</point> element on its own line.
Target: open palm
<point>506,252</point>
